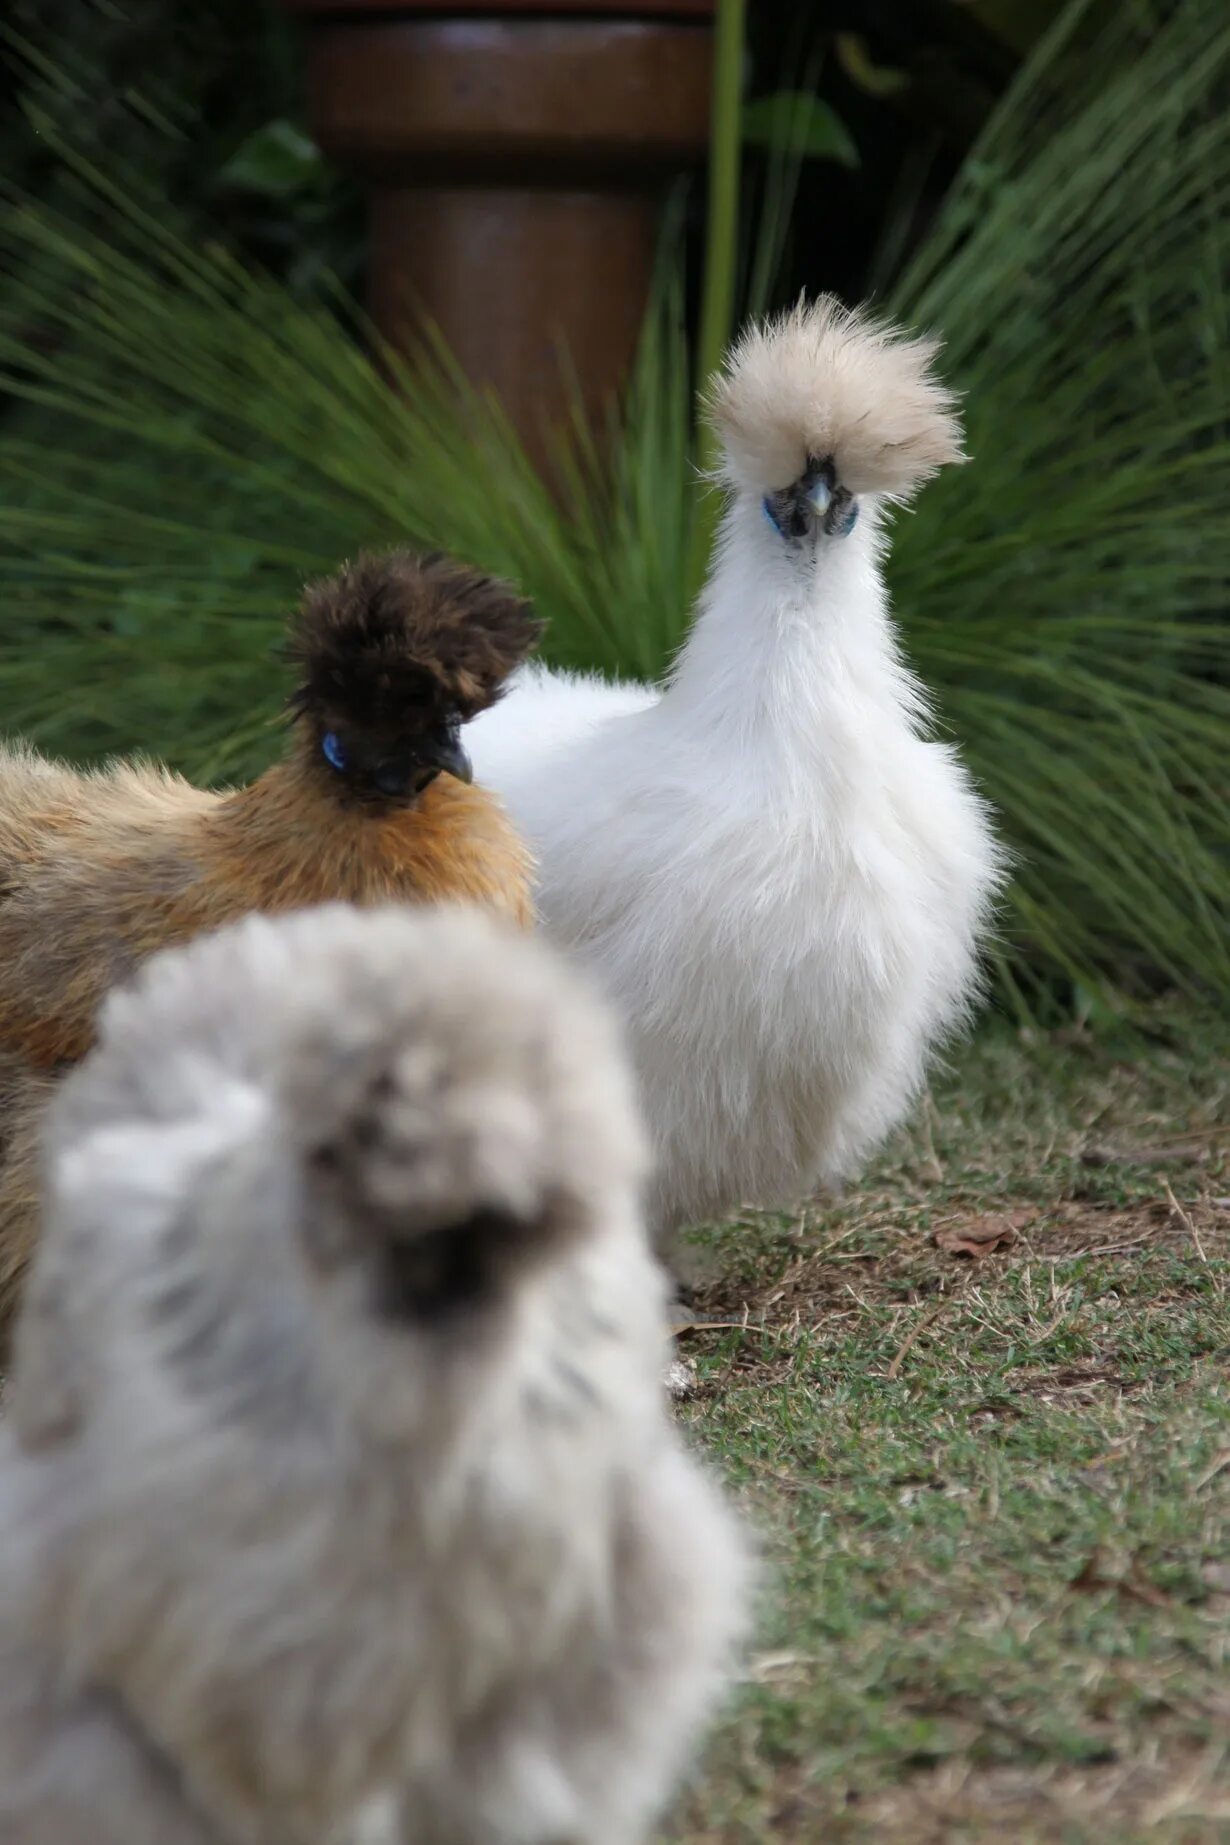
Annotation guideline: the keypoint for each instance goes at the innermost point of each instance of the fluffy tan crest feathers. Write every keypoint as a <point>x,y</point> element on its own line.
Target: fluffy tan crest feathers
<point>822,380</point>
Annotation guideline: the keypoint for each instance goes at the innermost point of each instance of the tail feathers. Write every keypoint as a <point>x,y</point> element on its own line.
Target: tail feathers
<point>394,633</point>
<point>828,381</point>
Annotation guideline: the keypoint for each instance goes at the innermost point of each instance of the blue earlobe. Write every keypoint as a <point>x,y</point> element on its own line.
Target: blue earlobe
<point>850,521</point>
<point>333,750</point>
<point>772,517</point>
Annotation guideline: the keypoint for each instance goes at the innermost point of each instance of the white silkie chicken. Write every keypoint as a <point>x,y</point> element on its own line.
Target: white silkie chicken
<point>777,874</point>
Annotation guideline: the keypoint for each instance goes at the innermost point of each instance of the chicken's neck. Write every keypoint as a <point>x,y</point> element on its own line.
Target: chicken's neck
<point>792,651</point>
<point>288,837</point>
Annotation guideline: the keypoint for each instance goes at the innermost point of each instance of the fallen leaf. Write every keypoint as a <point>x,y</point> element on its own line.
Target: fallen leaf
<point>982,1236</point>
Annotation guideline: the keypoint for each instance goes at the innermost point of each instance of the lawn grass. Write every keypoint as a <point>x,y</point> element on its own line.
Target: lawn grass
<point>994,1490</point>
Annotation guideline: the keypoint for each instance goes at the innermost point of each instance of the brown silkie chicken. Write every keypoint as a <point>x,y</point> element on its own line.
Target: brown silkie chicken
<point>372,803</point>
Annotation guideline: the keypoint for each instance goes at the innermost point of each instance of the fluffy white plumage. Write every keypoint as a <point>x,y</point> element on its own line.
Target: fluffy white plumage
<point>338,1498</point>
<point>779,877</point>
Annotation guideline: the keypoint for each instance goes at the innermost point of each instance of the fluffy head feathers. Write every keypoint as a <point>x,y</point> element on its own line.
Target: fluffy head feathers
<point>449,1089</point>
<point>393,635</point>
<point>824,380</point>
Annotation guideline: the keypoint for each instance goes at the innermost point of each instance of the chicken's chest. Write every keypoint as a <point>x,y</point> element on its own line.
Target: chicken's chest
<point>764,932</point>
<point>762,892</point>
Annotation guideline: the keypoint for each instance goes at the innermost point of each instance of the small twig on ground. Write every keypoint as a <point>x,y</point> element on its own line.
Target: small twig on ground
<point>1220,1463</point>
<point>1108,1249</point>
<point>1186,1221</point>
<point>802,1263</point>
<point>919,1327</point>
<point>827,1248</point>
<point>691,1326</point>
<point>1052,1326</point>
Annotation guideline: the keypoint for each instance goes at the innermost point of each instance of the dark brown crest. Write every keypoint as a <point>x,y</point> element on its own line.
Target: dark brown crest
<point>399,634</point>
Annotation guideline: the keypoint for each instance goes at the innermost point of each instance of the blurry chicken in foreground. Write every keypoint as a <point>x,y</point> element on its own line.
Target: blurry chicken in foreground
<point>777,876</point>
<point>337,1480</point>
<point>372,803</point>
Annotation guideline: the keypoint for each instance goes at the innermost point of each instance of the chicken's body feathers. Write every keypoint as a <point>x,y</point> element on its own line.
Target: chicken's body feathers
<point>115,863</point>
<point>320,1540</point>
<point>778,876</point>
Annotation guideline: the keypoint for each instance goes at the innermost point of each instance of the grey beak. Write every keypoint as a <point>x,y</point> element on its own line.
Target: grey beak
<point>819,496</point>
<point>447,755</point>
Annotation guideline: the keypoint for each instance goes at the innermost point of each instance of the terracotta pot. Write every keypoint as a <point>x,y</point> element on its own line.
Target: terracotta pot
<point>515,159</point>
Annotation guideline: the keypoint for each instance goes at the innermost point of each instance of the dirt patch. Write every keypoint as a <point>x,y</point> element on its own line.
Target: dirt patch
<point>978,1407</point>
<point>885,1258</point>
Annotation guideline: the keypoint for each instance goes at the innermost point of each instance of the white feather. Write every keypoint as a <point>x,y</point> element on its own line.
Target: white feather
<point>780,879</point>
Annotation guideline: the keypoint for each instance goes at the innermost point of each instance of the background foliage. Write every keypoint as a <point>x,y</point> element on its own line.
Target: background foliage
<point>194,424</point>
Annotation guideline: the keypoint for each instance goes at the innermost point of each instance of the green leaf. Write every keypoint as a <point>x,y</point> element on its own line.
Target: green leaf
<point>185,442</point>
<point>276,161</point>
<point>801,124</point>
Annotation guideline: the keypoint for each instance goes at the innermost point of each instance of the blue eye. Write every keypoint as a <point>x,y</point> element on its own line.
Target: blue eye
<point>334,751</point>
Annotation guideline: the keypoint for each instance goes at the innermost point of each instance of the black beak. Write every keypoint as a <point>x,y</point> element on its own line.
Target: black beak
<point>446,754</point>
<point>403,777</point>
